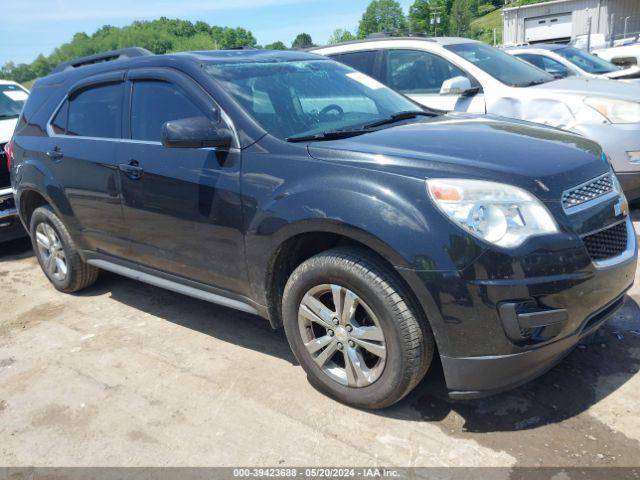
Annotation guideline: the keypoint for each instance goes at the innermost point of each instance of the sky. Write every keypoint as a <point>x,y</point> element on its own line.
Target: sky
<point>30,27</point>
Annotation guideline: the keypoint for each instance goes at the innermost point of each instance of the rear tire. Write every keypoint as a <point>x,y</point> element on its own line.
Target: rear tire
<point>57,253</point>
<point>368,356</point>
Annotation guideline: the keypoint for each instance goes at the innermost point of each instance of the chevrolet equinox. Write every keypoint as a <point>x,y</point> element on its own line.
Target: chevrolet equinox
<point>284,184</point>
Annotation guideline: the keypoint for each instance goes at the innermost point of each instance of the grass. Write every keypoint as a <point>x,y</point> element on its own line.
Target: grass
<point>482,27</point>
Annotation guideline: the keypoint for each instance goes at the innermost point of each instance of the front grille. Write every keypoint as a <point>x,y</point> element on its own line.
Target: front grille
<point>607,243</point>
<point>588,191</point>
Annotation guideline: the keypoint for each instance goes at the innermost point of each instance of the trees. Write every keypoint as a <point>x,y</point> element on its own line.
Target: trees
<point>159,36</point>
<point>303,40</point>
<point>460,18</point>
<point>340,35</point>
<point>278,45</point>
<point>419,17</point>
<point>381,16</point>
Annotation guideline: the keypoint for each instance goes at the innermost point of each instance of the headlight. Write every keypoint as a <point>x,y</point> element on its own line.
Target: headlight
<point>494,212</point>
<point>616,111</point>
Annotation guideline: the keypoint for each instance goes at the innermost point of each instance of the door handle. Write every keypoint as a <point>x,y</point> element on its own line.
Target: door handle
<point>55,153</point>
<point>133,170</point>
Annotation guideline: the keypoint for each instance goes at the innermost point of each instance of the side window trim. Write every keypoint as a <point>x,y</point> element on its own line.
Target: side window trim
<point>79,87</point>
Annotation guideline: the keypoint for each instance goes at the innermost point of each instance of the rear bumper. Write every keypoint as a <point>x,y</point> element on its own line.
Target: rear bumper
<point>617,142</point>
<point>630,182</point>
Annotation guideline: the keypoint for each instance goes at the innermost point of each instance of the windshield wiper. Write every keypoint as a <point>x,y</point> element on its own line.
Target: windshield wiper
<point>396,117</point>
<point>328,135</point>
<point>15,115</point>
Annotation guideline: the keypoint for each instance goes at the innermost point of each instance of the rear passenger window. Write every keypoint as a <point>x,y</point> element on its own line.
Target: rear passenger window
<point>59,124</point>
<point>155,103</point>
<point>96,112</point>
<point>361,61</point>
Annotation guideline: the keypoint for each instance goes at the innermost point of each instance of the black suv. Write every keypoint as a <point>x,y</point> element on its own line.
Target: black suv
<point>285,184</point>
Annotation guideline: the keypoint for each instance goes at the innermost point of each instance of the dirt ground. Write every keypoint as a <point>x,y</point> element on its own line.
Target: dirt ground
<point>125,374</point>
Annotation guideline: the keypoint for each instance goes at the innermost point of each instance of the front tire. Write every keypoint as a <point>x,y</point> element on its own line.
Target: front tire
<point>354,329</point>
<point>57,253</point>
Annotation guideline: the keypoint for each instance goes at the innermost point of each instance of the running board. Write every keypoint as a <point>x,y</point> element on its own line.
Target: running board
<point>173,286</point>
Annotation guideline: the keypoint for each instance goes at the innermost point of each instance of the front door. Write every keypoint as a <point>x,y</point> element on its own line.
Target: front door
<point>181,205</point>
<point>420,76</point>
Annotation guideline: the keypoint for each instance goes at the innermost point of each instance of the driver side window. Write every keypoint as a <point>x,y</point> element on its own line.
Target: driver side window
<point>153,103</point>
<point>413,71</point>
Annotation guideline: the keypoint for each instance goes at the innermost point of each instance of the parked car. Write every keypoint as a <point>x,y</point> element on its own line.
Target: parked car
<point>624,52</point>
<point>12,98</point>
<point>291,186</point>
<point>459,74</point>
<point>563,61</point>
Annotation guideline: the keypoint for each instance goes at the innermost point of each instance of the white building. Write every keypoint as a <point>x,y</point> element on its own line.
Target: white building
<point>562,20</point>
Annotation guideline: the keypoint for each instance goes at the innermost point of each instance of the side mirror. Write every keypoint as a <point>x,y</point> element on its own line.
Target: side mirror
<point>456,86</point>
<point>195,132</point>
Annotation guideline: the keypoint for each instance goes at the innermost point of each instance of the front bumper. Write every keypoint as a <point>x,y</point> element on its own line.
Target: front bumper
<point>617,141</point>
<point>10,226</point>
<point>477,348</point>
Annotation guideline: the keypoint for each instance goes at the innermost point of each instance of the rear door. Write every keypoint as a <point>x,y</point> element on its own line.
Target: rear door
<point>181,205</point>
<point>82,152</point>
<point>420,75</point>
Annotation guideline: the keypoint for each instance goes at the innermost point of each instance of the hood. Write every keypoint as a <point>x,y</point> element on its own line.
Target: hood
<point>6,129</point>
<point>543,160</point>
<point>598,87</point>
<point>631,72</point>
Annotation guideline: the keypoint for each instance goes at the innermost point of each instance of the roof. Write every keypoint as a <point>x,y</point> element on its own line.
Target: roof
<point>439,40</point>
<point>250,56</point>
<point>533,5</point>
<point>122,59</point>
<point>539,46</point>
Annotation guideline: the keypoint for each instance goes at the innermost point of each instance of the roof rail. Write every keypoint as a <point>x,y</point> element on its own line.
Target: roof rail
<point>399,33</point>
<point>120,54</point>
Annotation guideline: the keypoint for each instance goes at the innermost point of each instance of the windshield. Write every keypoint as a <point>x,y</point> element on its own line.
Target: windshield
<point>301,98</point>
<point>587,62</point>
<point>12,98</point>
<point>502,66</point>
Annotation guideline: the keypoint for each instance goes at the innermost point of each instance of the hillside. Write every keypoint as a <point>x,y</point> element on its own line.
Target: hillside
<point>482,27</point>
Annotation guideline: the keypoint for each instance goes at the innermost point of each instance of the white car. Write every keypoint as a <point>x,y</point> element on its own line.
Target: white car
<point>565,61</point>
<point>459,74</point>
<point>12,99</point>
<point>625,52</point>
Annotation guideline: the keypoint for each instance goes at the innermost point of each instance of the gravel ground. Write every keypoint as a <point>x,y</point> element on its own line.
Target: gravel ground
<point>125,374</point>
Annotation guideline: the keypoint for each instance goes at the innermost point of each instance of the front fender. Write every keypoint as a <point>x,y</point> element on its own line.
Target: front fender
<point>389,213</point>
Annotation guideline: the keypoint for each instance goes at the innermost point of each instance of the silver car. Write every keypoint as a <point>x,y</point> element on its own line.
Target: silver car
<point>458,74</point>
<point>565,61</point>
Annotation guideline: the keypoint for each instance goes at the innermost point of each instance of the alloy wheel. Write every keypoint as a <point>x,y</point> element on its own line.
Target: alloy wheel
<point>342,335</point>
<point>51,252</point>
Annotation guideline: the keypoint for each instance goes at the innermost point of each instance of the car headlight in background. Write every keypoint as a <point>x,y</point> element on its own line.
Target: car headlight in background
<point>494,212</point>
<point>616,111</point>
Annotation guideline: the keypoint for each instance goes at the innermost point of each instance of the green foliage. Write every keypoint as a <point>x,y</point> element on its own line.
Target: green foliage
<point>482,27</point>
<point>340,35</point>
<point>303,40</point>
<point>382,16</point>
<point>278,45</point>
<point>460,18</point>
<point>419,17</point>
<point>485,8</point>
<point>159,36</point>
